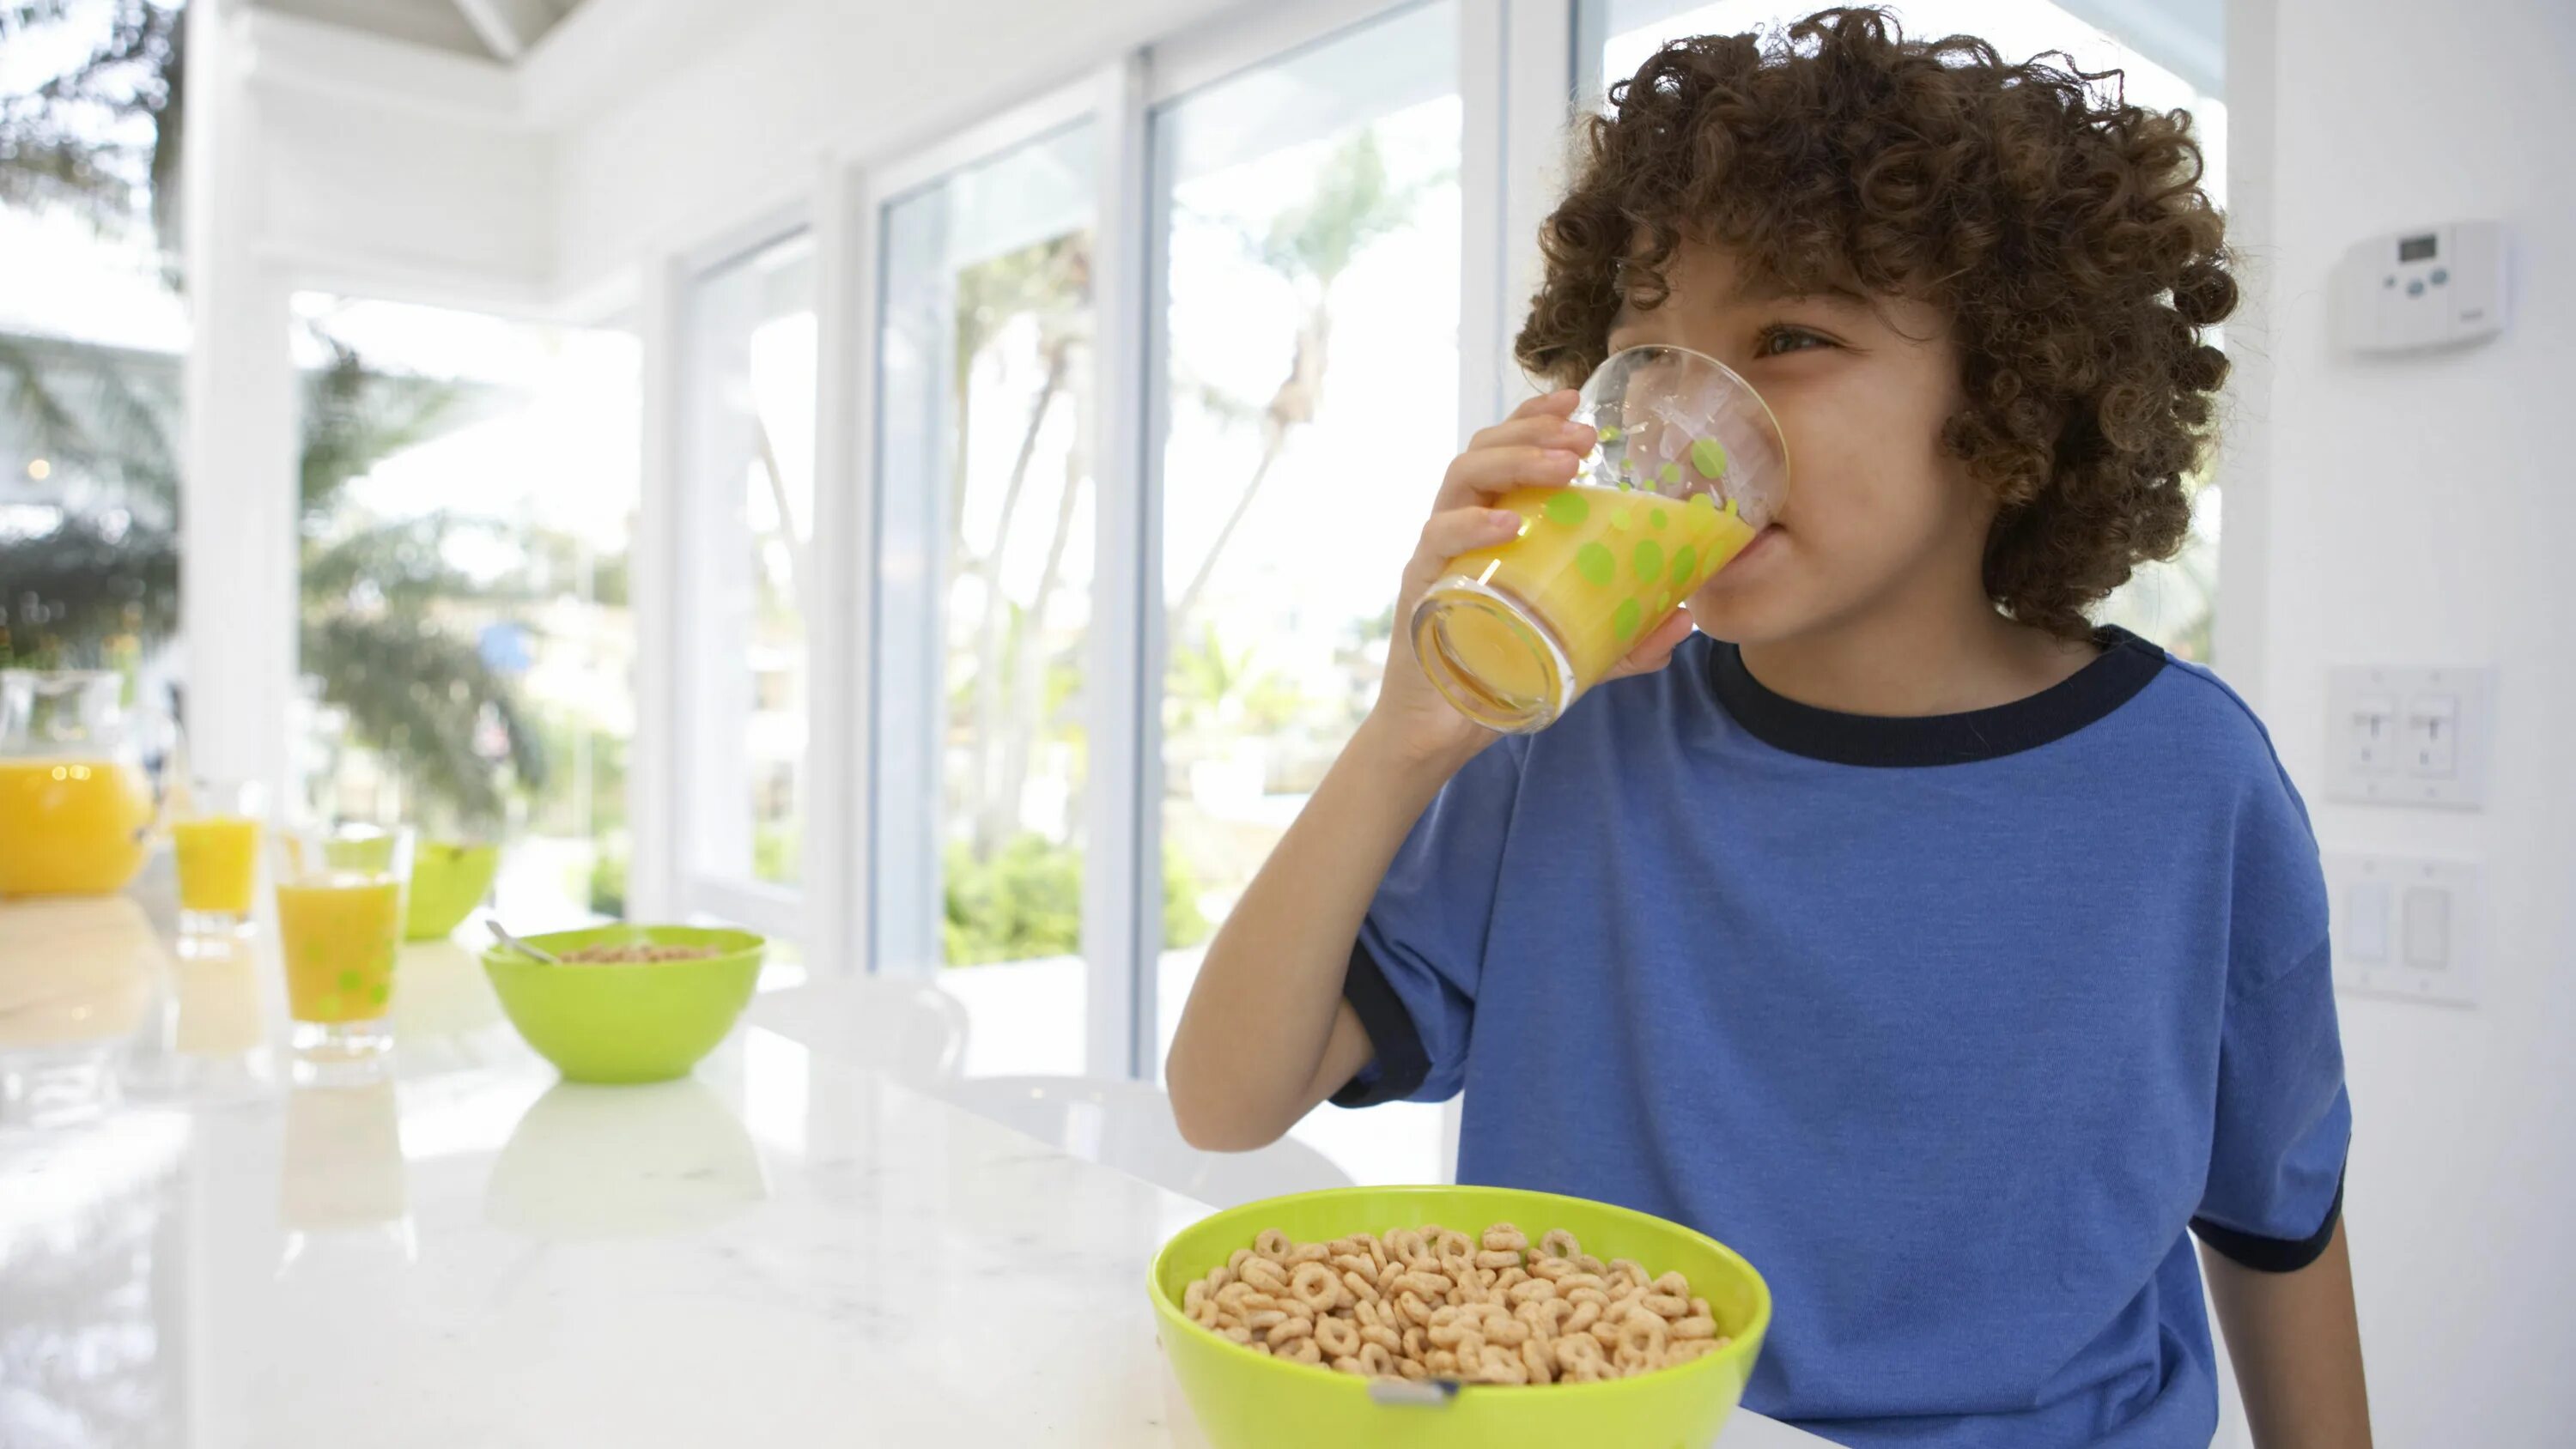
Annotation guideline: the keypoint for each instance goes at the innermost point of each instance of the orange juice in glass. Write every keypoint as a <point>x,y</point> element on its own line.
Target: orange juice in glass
<point>1688,469</point>
<point>216,841</point>
<point>339,926</point>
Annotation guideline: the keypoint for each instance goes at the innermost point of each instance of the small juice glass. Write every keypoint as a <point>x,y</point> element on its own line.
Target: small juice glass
<point>217,846</point>
<point>339,927</point>
<point>1688,468</point>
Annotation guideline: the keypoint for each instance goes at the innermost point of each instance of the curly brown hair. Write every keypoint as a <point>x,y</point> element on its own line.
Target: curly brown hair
<point>2063,231</point>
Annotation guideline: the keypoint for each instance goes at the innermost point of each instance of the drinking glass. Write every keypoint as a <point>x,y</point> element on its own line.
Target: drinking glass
<point>1687,468</point>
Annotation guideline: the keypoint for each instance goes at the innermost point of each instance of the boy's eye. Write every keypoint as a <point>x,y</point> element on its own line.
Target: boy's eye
<point>1776,340</point>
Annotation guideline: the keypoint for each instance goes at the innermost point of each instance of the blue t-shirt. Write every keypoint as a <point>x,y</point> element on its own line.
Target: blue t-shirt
<point>1953,1026</point>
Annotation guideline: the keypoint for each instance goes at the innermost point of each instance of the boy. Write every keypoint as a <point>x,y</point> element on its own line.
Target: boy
<point>1953,959</point>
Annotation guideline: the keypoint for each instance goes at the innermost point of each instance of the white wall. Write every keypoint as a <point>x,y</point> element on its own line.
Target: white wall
<point>370,191</point>
<point>746,121</point>
<point>2419,511</point>
<point>391,169</point>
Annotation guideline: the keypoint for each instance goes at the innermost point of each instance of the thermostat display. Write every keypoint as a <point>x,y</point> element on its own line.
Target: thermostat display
<point>2422,289</point>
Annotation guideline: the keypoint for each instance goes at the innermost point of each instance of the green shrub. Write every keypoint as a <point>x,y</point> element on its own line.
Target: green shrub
<point>606,888</point>
<point>1026,902</point>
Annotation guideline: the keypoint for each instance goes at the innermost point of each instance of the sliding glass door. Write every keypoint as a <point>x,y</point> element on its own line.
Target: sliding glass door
<point>986,552</point>
<point>1306,379</point>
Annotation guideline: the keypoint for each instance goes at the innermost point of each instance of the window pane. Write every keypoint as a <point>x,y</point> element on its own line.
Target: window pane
<point>988,530</point>
<point>92,336</point>
<point>469,494</point>
<point>2173,602</point>
<point>1309,405</point>
<point>748,519</point>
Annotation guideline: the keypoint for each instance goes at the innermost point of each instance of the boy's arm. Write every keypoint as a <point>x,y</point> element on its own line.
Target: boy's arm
<point>2296,1342</point>
<point>1266,1034</point>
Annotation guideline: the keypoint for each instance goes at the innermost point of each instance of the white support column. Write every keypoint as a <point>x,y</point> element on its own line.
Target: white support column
<point>1484,106</point>
<point>840,624</point>
<point>1122,882</point>
<point>238,503</point>
<point>1516,83</point>
<point>1540,59</point>
<point>2243,470</point>
<point>654,776</point>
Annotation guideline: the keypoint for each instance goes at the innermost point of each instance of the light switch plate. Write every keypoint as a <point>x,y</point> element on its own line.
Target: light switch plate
<point>2390,913</point>
<point>2409,736</point>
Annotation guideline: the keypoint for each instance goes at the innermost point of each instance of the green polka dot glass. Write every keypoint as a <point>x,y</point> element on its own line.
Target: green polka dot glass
<point>1687,469</point>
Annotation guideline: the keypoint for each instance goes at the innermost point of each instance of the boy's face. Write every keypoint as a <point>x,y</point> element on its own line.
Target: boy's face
<point>1878,514</point>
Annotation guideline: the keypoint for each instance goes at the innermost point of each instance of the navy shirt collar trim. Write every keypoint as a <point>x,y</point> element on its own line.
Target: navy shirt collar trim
<point>2125,667</point>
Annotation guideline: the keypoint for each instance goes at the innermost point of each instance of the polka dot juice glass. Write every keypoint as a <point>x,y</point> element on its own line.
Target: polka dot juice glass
<point>1688,468</point>
<point>339,925</point>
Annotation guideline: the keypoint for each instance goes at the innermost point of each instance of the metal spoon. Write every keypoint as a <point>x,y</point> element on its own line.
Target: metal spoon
<point>522,947</point>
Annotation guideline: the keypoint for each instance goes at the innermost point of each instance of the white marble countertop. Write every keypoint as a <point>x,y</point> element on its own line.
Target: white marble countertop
<point>195,1251</point>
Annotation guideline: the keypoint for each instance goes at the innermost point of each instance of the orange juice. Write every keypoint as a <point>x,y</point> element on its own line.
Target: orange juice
<point>71,827</point>
<point>218,857</point>
<point>338,933</point>
<point>1598,567</point>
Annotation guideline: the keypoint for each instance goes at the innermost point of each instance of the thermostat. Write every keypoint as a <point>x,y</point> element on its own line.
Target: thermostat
<point>2436,286</point>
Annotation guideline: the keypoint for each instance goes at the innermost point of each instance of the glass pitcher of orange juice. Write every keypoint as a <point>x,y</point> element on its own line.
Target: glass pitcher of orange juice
<point>75,809</point>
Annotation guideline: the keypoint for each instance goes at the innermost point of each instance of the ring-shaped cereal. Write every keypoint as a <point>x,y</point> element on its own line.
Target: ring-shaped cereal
<point>1315,1286</point>
<point>1644,1332</point>
<point>1540,1360</point>
<point>1489,1307</point>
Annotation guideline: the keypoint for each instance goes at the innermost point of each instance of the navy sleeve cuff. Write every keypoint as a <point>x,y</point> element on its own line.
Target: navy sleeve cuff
<point>2272,1255</point>
<point>1401,1063</point>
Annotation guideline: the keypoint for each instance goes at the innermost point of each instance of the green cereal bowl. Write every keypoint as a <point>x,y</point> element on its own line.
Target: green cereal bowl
<point>449,878</point>
<point>644,1021</point>
<point>1247,1400</point>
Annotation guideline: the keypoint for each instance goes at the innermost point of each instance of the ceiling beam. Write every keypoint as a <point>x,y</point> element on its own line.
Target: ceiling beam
<point>608,51</point>
<point>507,27</point>
<point>288,51</point>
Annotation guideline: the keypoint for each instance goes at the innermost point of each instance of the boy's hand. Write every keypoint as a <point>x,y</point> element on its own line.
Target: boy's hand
<point>1536,445</point>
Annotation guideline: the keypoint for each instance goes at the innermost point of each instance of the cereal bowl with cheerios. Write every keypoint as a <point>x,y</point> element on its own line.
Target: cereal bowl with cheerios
<point>1430,1317</point>
<point>627,1003</point>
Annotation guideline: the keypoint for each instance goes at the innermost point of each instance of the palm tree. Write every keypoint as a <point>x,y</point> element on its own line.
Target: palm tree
<point>1005,696</point>
<point>1354,203</point>
<point>103,137</point>
<point>1049,282</point>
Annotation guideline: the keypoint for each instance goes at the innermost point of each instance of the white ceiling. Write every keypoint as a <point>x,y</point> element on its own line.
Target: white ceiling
<point>501,30</point>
